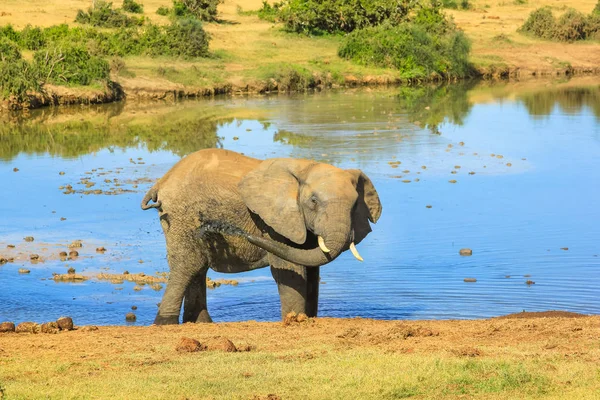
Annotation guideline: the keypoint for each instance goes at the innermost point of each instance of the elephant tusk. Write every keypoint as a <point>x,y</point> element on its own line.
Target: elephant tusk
<point>322,244</point>
<point>355,252</point>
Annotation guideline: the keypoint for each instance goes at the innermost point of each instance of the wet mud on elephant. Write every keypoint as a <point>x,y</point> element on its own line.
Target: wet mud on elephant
<point>232,213</point>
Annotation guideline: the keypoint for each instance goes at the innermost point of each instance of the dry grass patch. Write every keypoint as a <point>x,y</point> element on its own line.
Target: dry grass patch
<point>553,358</point>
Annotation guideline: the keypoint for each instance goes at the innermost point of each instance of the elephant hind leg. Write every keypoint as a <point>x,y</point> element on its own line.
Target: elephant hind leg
<point>194,304</point>
<point>186,263</point>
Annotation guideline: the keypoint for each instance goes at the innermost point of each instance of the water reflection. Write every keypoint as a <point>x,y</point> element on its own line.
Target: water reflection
<point>430,106</point>
<point>75,132</point>
<point>324,120</point>
<point>569,100</point>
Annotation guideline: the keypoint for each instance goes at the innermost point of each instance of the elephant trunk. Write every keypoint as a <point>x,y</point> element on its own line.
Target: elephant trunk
<point>336,243</point>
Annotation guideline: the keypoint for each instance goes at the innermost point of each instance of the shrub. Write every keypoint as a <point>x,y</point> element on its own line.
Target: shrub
<point>9,51</point>
<point>32,38</point>
<point>204,10</point>
<point>596,10</point>
<point>17,78</point>
<point>456,4</point>
<point>9,32</point>
<point>132,6</point>
<point>269,12</point>
<point>541,23</point>
<point>434,20</point>
<point>593,27</point>
<point>334,16</point>
<point>412,49</point>
<point>187,38</point>
<point>571,26</point>
<point>103,15</point>
<point>70,64</point>
<point>163,11</point>
<point>293,78</point>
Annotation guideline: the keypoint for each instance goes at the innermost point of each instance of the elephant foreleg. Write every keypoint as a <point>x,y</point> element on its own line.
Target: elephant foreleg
<point>194,304</point>
<point>298,287</point>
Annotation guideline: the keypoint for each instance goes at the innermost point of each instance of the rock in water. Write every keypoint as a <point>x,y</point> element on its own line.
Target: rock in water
<point>465,252</point>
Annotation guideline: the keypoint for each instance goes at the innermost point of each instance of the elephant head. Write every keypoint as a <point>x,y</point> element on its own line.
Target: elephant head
<point>312,211</point>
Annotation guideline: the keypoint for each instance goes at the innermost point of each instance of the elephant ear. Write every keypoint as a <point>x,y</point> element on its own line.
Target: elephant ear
<point>368,194</point>
<point>271,191</point>
<point>368,207</point>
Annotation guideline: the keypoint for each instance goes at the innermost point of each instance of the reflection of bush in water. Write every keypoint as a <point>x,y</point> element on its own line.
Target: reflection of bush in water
<point>570,101</point>
<point>425,106</point>
<point>430,106</point>
<point>180,133</point>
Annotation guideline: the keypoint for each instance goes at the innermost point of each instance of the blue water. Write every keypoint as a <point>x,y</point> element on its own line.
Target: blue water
<point>515,218</point>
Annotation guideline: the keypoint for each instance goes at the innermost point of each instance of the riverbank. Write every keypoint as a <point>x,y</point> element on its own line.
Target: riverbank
<point>255,56</point>
<point>539,356</point>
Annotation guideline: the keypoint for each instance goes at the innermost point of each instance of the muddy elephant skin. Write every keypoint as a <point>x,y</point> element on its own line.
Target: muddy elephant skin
<point>291,214</point>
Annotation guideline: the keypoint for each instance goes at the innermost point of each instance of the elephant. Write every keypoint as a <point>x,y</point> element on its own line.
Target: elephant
<point>293,215</point>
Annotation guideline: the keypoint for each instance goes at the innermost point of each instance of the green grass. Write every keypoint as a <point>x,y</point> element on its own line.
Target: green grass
<point>313,374</point>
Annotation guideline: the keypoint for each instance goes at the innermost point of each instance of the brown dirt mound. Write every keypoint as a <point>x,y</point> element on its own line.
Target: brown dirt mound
<point>189,345</point>
<point>543,314</point>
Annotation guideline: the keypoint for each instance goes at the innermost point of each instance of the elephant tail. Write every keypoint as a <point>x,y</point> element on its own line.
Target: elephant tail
<point>151,195</point>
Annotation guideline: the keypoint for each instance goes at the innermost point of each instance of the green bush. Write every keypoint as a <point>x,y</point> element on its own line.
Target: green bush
<point>571,26</point>
<point>335,16</point>
<point>9,51</point>
<point>411,48</point>
<point>456,4</point>
<point>204,10</point>
<point>32,38</point>
<point>593,27</point>
<point>269,12</point>
<point>70,64</point>
<point>132,6</point>
<point>434,20</point>
<point>540,23</point>
<point>596,10</point>
<point>187,38</point>
<point>17,79</point>
<point>163,11</point>
<point>102,15</point>
<point>9,32</point>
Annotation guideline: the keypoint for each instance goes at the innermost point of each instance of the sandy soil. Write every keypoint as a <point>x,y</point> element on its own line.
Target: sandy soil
<point>529,333</point>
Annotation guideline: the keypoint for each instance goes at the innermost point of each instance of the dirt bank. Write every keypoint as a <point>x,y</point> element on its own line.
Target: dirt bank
<point>539,356</point>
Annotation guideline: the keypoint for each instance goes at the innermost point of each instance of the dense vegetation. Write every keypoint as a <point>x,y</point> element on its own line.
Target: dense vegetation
<point>102,14</point>
<point>133,7</point>
<point>457,4</point>
<point>571,26</point>
<point>204,10</point>
<point>425,46</point>
<point>77,55</point>
<point>336,16</point>
<point>412,36</point>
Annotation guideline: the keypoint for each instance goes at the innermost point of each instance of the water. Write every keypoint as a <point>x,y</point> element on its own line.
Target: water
<point>516,218</point>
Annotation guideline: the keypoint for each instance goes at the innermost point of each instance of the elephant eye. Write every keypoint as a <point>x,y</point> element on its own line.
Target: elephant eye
<point>314,200</point>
